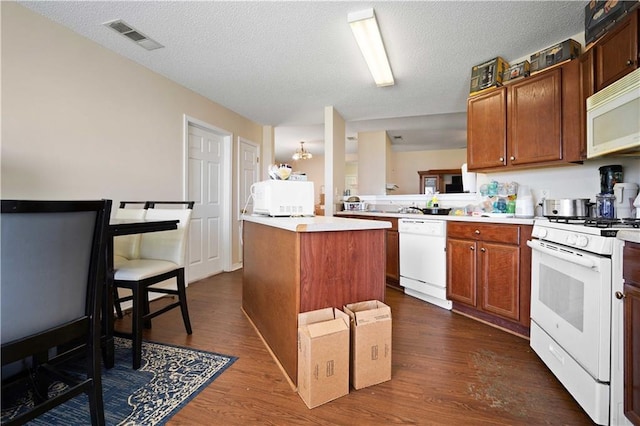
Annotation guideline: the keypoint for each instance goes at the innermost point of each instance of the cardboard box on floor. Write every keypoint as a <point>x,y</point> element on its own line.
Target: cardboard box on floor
<point>370,343</point>
<point>323,356</point>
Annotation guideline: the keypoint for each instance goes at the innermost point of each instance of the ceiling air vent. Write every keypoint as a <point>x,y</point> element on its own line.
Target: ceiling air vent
<point>132,34</point>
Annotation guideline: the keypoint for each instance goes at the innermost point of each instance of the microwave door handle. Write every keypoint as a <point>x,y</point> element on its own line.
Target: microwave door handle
<point>586,262</point>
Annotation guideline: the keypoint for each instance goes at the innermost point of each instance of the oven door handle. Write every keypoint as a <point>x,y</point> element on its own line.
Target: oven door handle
<point>586,262</point>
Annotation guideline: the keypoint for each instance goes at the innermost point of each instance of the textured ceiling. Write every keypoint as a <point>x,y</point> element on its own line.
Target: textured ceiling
<point>281,63</point>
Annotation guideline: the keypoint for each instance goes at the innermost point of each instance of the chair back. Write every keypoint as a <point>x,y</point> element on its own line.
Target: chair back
<point>167,245</point>
<point>52,263</point>
<point>128,246</point>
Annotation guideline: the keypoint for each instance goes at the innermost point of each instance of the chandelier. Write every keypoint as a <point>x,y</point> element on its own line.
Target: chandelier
<point>301,153</point>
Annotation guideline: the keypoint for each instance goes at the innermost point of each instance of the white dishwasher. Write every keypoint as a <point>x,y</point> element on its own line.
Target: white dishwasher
<point>423,261</point>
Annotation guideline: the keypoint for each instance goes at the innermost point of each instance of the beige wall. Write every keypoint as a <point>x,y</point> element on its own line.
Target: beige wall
<point>372,162</point>
<point>79,121</point>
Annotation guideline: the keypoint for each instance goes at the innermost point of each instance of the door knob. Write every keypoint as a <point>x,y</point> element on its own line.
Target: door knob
<point>619,295</point>
<point>477,231</point>
<point>483,249</point>
<point>630,62</point>
<point>512,158</point>
<point>472,248</point>
<point>501,159</point>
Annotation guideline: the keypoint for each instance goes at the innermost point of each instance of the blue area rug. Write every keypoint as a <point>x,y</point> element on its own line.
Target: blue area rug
<point>170,377</point>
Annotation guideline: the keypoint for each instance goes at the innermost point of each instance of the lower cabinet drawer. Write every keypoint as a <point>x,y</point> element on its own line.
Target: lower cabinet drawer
<point>508,234</point>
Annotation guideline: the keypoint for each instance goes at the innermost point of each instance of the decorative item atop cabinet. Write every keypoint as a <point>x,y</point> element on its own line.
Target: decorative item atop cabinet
<point>531,122</point>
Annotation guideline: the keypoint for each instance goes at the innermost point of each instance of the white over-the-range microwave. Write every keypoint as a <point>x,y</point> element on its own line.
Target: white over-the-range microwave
<point>283,198</point>
<point>613,118</point>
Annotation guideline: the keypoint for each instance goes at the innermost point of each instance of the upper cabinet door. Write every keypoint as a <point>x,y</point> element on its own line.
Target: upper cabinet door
<point>535,119</point>
<point>487,129</point>
<point>617,52</point>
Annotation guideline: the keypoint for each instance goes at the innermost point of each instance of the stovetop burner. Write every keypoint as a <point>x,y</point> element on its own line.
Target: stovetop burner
<point>598,222</point>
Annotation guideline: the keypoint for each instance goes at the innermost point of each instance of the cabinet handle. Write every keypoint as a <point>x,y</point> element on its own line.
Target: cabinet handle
<point>472,248</point>
<point>477,231</point>
<point>501,159</point>
<point>619,295</point>
<point>512,158</point>
<point>483,249</point>
<point>630,62</point>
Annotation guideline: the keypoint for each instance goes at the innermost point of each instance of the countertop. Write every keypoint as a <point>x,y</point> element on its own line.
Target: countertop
<point>507,220</point>
<point>317,223</point>
<point>631,235</point>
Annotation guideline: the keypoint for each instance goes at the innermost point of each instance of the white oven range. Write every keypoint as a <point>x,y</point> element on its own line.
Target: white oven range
<point>575,318</point>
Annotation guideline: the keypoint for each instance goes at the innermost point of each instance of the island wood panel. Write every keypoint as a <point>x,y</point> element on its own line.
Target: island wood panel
<point>288,272</point>
<point>270,290</point>
<point>338,268</point>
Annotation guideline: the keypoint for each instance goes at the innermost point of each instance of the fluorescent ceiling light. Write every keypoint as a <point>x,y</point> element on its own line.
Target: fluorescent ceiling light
<point>365,29</point>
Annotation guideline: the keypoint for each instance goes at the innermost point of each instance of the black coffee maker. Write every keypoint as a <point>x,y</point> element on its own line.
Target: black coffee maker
<point>605,200</point>
<point>609,176</point>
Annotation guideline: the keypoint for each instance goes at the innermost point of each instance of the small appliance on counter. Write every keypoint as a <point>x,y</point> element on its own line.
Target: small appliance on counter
<point>283,198</point>
<point>606,206</point>
<point>606,199</point>
<point>636,204</point>
<point>625,194</point>
<point>609,176</point>
<point>524,202</point>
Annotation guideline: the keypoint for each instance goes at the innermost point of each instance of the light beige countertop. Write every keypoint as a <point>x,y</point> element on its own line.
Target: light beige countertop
<point>507,220</point>
<point>631,235</point>
<point>317,223</point>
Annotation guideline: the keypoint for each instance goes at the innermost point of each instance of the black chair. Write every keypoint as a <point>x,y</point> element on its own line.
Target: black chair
<point>53,272</point>
<point>161,257</point>
<point>126,247</point>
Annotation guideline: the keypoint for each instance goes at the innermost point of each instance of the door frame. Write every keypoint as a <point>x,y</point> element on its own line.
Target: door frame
<point>227,166</point>
<point>241,140</point>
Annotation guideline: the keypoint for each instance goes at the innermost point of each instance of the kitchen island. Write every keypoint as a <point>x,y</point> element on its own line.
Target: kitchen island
<point>300,264</point>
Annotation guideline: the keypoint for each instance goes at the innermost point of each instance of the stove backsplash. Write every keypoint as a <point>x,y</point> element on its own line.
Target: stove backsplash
<point>579,181</point>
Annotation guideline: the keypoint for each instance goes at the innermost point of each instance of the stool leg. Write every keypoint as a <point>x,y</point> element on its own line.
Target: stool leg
<point>182,295</point>
<point>137,324</point>
<point>116,302</point>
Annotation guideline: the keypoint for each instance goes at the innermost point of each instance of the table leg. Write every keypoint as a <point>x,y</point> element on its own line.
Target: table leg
<point>108,346</point>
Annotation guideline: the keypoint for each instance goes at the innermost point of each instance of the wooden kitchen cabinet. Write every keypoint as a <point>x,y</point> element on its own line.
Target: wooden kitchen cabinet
<point>531,122</point>
<point>487,130</point>
<point>488,273</point>
<point>392,264</point>
<point>617,52</point>
<point>535,119</point>
<point>631,274</point>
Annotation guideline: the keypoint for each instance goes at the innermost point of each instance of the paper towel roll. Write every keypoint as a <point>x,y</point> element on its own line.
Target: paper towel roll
<point>468,180</point>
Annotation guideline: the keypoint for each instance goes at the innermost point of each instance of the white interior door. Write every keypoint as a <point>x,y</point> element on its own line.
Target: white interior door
<point>248,166</point>
<point>248,158</point>
<point>205,187</point>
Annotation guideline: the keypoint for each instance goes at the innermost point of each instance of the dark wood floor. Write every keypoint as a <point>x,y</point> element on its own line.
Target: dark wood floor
<point>447,369</point>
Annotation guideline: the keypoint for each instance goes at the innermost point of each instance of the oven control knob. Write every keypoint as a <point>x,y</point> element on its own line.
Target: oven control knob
<point>571,239</point>
<point>582,241</point>
<point>541,233</point>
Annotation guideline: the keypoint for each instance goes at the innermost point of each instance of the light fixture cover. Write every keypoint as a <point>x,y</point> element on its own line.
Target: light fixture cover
<point>301,153</point>
<point>367,33</point>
